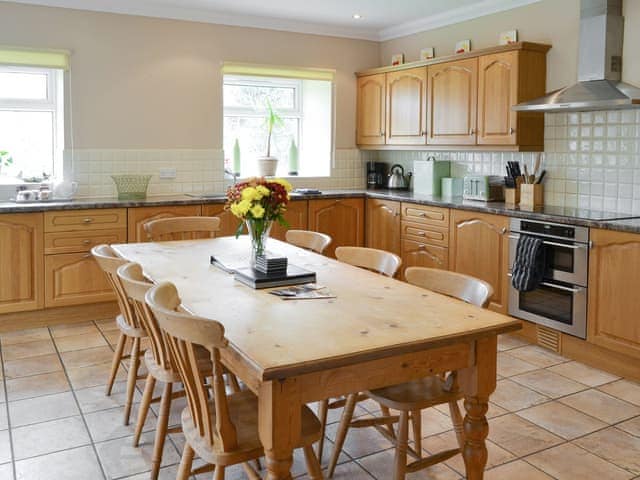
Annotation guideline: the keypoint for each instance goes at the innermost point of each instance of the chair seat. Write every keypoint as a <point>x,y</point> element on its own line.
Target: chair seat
<point>415,395</point>
<point>128,330</point>
<point>169,376</point>
<point>243,412</point>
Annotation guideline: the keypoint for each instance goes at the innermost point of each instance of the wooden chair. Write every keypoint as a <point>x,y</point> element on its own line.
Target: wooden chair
<point>127,322</point>
<point>222,431</point>
<point>379,261</point>
<point>412,397</point>
<point>182,228</point>
<point>314,241</point>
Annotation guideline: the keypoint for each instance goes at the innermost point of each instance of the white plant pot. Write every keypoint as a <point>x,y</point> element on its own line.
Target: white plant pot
<point>267,166</point>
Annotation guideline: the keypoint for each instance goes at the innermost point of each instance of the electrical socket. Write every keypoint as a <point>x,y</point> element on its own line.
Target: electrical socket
<point>167,173</point>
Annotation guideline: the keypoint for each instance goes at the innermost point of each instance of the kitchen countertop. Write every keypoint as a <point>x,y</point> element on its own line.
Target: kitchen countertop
<point>569,216</point>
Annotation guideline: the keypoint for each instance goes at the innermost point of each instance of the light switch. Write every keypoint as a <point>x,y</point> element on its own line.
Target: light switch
<point>167,173</point>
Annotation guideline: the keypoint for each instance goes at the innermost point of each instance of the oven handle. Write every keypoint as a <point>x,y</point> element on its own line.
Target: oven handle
<point>553,285</point>
<point>554,244</point>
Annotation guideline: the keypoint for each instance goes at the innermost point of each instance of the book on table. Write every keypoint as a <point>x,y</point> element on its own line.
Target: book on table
<point>293,276</point>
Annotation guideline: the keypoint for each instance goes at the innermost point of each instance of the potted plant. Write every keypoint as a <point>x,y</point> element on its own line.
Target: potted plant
<point>268,165</point>
<point>5,159</point>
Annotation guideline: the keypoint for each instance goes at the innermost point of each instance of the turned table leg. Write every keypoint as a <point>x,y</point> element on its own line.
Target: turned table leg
<point>476,429</point>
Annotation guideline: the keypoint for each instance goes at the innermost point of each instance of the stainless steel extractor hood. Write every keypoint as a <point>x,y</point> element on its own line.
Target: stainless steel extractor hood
<point>599,65</point>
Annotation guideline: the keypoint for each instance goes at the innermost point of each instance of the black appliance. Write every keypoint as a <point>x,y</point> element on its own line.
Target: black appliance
<point>377,175</point>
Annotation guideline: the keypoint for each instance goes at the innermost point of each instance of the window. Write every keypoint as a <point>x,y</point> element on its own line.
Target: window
<point>31,120</point>
<point>305,106</point>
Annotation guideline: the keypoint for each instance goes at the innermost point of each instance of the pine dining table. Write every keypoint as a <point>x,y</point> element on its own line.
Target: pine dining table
<point>377,331</point>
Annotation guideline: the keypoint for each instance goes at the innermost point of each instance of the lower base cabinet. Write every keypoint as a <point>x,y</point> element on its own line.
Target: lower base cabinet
<point>342,219</point>
<point>296,216</point>
<point>228,221</point>
<point>416,254</point>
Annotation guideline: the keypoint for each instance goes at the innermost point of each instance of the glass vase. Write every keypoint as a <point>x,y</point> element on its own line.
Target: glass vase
<point>258,231</point>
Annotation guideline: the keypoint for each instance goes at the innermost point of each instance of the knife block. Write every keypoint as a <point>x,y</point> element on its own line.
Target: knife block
<point>531,195</point>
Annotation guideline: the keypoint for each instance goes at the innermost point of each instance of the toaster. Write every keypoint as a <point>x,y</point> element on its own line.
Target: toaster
<point>483,187</point>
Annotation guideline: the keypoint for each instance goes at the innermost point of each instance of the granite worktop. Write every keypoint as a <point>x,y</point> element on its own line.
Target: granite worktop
<point>571,216</point>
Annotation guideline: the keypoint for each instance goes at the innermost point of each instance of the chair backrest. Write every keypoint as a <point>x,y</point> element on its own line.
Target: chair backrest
<point>379,261</point>
<point>109,261</point>
<point>182,228</point>
<point>183,332</point>
<point>314,241</point>
<point>454,284</point>
<point>136,286</point>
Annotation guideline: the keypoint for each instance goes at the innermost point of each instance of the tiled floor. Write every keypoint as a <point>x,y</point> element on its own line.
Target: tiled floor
<point>550,418</point>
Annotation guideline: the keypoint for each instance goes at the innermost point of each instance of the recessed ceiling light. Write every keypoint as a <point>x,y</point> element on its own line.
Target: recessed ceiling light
<point>357,16</point>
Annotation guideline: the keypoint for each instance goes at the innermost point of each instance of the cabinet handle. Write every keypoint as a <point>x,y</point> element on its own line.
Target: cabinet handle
<point>87,255</point>
<point>382,133</point>
<point>512,131</point>
<point>422,214</point>
<point>472,131</point>
<point>396,214</point>
<point>422,246</point>
<point>86,242</point>
<point>423,133</point>
<point>87,220</point>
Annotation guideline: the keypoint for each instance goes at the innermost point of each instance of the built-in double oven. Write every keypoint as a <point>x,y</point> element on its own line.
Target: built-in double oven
<point>560,301</point>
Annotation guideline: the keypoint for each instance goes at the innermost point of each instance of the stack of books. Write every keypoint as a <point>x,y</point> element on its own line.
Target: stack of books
<point>291,276</point>
<point>271,265</point>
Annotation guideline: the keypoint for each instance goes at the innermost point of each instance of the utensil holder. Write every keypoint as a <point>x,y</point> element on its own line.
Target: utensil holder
<point>531,195</point>
<point>512,196</point>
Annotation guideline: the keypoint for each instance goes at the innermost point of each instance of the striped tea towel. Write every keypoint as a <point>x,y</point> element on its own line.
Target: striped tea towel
<point>529,265</point>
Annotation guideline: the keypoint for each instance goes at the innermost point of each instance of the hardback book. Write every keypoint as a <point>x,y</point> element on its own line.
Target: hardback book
<point>256,279</point>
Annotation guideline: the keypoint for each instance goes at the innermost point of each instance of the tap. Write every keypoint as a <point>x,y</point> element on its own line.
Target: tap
<point>229,173</point>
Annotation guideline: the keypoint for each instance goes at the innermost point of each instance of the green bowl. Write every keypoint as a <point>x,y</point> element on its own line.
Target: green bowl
<point>131,187</point>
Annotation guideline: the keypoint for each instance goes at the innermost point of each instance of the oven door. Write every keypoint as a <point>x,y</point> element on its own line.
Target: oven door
<point>566,261</point>
<point>554,305</point>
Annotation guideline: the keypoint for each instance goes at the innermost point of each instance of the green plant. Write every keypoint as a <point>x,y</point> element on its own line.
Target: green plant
<point>272,120</point>
<point>5,159</point>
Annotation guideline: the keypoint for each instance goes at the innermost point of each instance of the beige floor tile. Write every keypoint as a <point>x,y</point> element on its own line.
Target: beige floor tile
<point>23,336</point>
<point>631,426</point>
<point>381,466</point>
<point>42,409</point>
<point>49,437</point>
<point>562,420</point>
<point>6,471</point>
<point>623,389</point>
<point>569,462</point>
<point>537,355</point>
<point>26,367</point>
<point>80,342</point>
<point>602,406</point>
<point>520,436</point>
<point>112,336</point>
<point>509,365</point>
<point>5,447</point>
<point>516,470</point>
<point>108,424</point>
<point>360,441</point>
<point>347,471</point>
<point>76,464</point>
<point>583,373</point>
<point>92,376</point>
<point>93,399</point>
<point>494,410</point>
<point>549,383</point>
<point>4,418</point>
<point>37,385</point>
<point>28,349</point>
<point>108,325</point>
<point>88,357</point>
<point>615,446</point>
<point>508,341</point>
<point>512,396</point>
<point>168,473</point>
<point>434,422</point>
<point>120,459</point>
<point>59,331</point>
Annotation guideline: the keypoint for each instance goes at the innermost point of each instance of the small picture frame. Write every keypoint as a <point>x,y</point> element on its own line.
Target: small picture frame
<point>397,59</point>
<point>463,46</point>
<point>508,37</point>
<point>427,53</point>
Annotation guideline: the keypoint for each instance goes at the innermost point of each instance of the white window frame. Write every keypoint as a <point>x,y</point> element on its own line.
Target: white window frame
<point>53,103</point>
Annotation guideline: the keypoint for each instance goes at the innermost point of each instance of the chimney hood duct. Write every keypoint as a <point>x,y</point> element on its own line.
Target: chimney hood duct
<point>599,66</point>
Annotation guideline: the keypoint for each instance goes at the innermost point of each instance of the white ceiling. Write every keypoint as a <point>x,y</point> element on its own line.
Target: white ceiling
<point>381,19</point>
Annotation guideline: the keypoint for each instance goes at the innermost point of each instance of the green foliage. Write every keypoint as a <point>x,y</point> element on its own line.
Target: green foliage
<point>272,121</point>
<point>5,158</point>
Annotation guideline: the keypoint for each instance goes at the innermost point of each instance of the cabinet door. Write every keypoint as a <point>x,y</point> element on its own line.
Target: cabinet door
<point>479,246</point>
<point>614,283</point>
<point>21,257</point>
<point>497,93</point>
<point>452,102</point>
<point>228,221</point>
<point>137,217</point>
<point>296,217</point>
<point>383,225</point>
<point>418,254</point>
<point>406,107</point>
<point>371,110</point>
<point>74,279</point>
<point>341,219</point>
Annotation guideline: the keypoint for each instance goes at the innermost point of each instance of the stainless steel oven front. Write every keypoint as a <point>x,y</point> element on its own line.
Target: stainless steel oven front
<point>560,301</point>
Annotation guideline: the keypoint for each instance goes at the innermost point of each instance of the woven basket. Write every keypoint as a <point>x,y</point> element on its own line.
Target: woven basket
<point>131,187</point>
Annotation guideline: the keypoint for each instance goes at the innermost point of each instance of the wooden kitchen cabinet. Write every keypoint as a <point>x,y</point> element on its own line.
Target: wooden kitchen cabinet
<point>21,258</point>
<point>296,216</point>
<point>371,109</point>
<point>228,221</point>
<point>383,225</point>
<point>342,219</point>
<point>614,282</point>
<point>137,217</point>
<point>479,246</point>
<point>452,102</point>
<point>406,107</point>
<point>420,254</point>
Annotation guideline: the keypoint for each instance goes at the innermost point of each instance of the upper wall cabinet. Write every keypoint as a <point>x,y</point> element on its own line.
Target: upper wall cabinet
<point>462,100</point>
<point>406,107</point>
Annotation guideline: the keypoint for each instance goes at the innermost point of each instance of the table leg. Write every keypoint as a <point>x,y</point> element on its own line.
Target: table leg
<point>279,426</point>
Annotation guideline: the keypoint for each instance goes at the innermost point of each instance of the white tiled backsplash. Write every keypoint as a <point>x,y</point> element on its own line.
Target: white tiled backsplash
<point>196,171</point>
<point>592,160</point>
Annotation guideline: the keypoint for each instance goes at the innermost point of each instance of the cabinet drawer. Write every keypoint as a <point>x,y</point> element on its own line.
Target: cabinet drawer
<point>90,219</point>
<point>436,216</point>
<point>416,254</point>
<point>425,233</point>
<point>71,242</point>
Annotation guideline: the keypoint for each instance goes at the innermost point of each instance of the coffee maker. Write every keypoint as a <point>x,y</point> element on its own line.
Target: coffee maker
<point>376,175</point>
